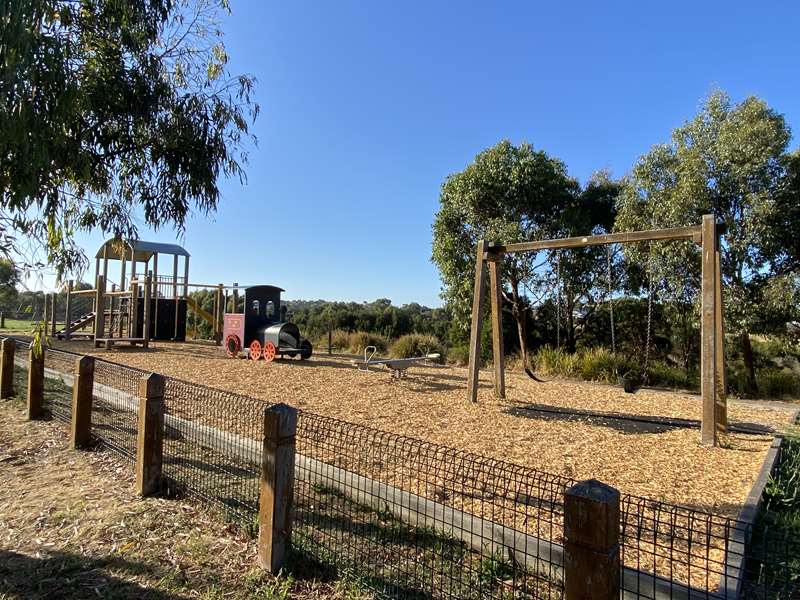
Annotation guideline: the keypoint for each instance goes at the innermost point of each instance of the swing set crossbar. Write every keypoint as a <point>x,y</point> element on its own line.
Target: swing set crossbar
<point>694,233</point>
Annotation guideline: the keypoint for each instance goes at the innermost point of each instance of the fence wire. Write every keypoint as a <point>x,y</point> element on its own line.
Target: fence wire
<point>59,375</point>
<point>212,447</point>
<point>418,519</point>
<point>21,368</point>
<point>773,553</point>
<point>669,550</point>
<point>115,406</point>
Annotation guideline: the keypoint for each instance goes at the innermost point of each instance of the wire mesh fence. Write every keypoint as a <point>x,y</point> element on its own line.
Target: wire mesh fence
<point>59,375</point>
<point>418,519</point>
<point>212,447</point>
<point>21,367</point>
<point>773,553</point>
<point>672,550</point>
<point>115,406</point>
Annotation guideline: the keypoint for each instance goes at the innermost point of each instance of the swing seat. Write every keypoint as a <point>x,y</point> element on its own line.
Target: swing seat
<point>631,382</point>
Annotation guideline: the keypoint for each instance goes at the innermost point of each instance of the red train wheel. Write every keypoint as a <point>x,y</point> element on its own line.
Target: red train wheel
<point>269,351</point>
<point>255,350</point>
<point>233,345</point>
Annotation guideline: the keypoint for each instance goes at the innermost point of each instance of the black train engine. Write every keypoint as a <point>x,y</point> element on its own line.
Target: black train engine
<point>262,328</point>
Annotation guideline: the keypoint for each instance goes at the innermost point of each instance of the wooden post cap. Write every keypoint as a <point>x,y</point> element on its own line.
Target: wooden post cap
<point>152,386</point>
<point>592,514</point>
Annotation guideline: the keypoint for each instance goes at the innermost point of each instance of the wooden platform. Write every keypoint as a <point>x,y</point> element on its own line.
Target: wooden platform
<point>108,342</point>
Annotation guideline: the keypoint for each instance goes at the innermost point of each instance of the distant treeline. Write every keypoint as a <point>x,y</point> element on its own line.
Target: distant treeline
<point>316,317</point>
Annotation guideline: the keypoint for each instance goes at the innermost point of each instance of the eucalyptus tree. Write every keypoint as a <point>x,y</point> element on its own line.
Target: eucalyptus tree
<point>113,111</point>
<point>730,160</point>
<point>507,194</point>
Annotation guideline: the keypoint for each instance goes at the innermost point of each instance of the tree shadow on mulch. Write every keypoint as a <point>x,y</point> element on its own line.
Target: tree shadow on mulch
<point>66,575</point>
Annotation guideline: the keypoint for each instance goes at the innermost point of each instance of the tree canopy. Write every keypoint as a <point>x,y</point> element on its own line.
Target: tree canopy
<point>730,160</point>
<point>111,110</point>
<point>507,194</point>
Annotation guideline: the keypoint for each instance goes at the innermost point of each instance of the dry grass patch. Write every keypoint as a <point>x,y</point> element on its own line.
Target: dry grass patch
<point>72,527</point>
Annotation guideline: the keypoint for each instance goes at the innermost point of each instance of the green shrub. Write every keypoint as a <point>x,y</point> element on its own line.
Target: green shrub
<point>340,339</point>
<point>458,355</point>
<point>778,383</point>
<point>662,374</point>
<point>358,340</point>
<point>599,364</point>
<point>552,361</point>
<point>415,344</point>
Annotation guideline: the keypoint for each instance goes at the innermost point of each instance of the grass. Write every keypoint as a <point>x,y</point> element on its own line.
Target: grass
<point>74,528</point>
<point>379,551</point>
<point>775,547</point>
<point>20,325</point>
<point>600,364</point>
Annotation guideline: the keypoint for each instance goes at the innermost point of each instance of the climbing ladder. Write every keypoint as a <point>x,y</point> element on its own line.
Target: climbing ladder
<point>77,324</point>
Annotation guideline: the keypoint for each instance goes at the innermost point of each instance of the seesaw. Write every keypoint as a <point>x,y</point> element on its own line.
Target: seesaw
<point>398,366</point>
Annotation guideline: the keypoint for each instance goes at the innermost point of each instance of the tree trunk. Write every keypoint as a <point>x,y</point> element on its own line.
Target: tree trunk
<point>570,306</point>
<point>750,383</point>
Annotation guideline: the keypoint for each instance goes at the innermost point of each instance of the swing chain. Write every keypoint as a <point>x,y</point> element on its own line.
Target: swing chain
<point>558,300</point>
<point>611,299</point>
<point>650,290</point>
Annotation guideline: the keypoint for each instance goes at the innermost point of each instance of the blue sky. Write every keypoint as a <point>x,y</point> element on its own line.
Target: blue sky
<point>368,106</point>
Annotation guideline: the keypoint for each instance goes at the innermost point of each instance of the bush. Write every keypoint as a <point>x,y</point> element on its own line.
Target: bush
<point>666,375</point>
<point>552,361</point>
<point>599,364</point>
<point>340,339</point>
<point>458,355</point>
<point>778,383</point>
<point>415,344</point>
<point>358,340</point>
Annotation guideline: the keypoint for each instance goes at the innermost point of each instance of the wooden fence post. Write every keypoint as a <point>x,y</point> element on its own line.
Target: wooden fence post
<point>2,320</point>
<point>7,347</point>
<point>35,383</point>
<point>82,402</point>
<point>276,489</point>
<point>150,435</point>
<point>591,545</point>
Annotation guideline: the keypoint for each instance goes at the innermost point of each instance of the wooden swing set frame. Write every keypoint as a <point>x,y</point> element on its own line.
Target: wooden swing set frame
<point>712,353</point>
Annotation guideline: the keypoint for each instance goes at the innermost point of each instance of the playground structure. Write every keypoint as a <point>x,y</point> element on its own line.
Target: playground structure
<point>712,367</point>
<point>262,328</point>
<point>142,306</point>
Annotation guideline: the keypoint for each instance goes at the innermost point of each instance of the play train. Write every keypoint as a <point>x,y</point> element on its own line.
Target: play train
<point>262,328</point>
